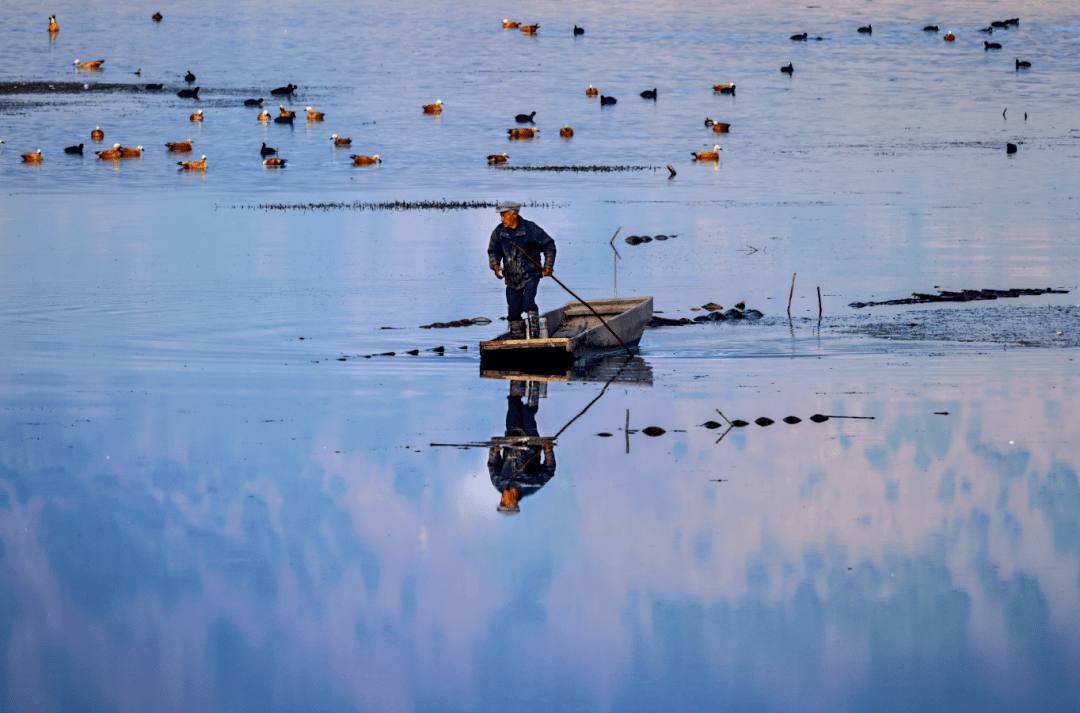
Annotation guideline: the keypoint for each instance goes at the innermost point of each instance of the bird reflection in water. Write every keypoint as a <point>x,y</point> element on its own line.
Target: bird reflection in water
<point>515,465</point>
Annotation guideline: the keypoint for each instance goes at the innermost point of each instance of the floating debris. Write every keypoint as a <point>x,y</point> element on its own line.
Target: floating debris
<point>962,296</point>
<point>389,205</point>
<point>739,423</point>
<point>639,239</point>
<point>604,434</point>
<point>712,425</point>
<point>818,418</point>
<point>792,420</point>
<point>712,307</point>
<point>764,421</point>
<point>457,323</point>
<point>653,431</point>
<point>751,315</point>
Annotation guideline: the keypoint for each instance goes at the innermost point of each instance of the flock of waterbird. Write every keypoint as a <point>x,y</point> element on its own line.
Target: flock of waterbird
<point>270,155</point>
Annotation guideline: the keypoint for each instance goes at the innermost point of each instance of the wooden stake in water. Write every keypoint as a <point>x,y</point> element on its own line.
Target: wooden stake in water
<point>626,430</point>
<point>790,294</point>
<point>615,261</point>
<point>819,302</point>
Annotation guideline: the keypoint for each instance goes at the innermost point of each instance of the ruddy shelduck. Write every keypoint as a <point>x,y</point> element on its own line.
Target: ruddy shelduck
<point>110,154</point>
<point>199,165</point>
<point>713,155</point>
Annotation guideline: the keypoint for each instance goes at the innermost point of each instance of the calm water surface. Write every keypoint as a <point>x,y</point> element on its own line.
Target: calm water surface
<point>201,511</point>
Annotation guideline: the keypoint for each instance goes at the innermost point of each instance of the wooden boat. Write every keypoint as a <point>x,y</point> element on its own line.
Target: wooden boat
<point>575,333</point>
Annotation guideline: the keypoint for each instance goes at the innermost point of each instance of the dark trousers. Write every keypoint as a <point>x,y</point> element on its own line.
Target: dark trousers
<point>523,300</point>
<point>520,418</point>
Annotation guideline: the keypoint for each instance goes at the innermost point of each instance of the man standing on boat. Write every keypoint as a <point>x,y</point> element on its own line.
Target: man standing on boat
<point>522,277</point>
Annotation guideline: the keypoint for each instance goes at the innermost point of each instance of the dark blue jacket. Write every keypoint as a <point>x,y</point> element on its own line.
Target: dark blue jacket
<point>504,463</point>
<point>529,236</point>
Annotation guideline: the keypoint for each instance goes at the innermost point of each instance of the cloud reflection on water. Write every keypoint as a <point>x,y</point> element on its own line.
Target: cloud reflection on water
<point>908,569</point>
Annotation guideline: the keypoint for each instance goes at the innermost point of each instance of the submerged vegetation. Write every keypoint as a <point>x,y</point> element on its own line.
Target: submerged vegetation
<point>389,205</point>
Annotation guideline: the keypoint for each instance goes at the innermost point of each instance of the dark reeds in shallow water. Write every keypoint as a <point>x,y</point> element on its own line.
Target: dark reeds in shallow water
<point>580,169</point>
<point>962,296</point>
<point>390,205</point>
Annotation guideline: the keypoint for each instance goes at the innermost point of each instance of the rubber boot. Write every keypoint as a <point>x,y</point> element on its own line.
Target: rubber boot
<point>532,395</point>
<point>534,324</point>
<point>517,329</point>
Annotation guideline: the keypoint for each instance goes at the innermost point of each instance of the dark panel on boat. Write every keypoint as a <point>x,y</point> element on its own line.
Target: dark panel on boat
<point>548,360</point>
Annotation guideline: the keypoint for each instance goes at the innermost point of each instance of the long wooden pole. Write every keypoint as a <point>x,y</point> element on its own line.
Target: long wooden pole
<point>580,414</point>
<point>595,313</point>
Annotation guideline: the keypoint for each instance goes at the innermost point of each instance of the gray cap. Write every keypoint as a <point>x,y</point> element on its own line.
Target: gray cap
<point>504,206</point>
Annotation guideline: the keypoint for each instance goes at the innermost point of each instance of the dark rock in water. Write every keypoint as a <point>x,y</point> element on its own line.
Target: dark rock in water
<point>388,354</point>
<point>653,431</point>
<point>604,435</point>
<point>711,317</point>
<point>1010,148</point>
<point>818,418</point>
<point>739,423</point>
<point>752,314</point>
<point>342,359</point>
<point>764,421</point>
<point>481,321</point>
<point>792,420</point>
<point>438,325</point>
<point>464,347</point>
<point>734,314</point>
<point>646,239</point>
<point>712,424</point>
<point>665,322</point>
<point>439,350</point>
<point>660,237</point>
<point>458,323</point>
<point>633,240</point>
<point>414,352</point>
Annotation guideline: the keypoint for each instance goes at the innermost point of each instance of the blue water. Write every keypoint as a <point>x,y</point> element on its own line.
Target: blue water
<point>201,511</point>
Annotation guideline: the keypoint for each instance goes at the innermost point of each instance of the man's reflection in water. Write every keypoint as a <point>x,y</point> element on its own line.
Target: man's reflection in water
<point>505,465</point>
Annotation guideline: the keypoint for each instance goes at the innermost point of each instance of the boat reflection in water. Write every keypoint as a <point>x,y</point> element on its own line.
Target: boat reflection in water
<point>522,461</point>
